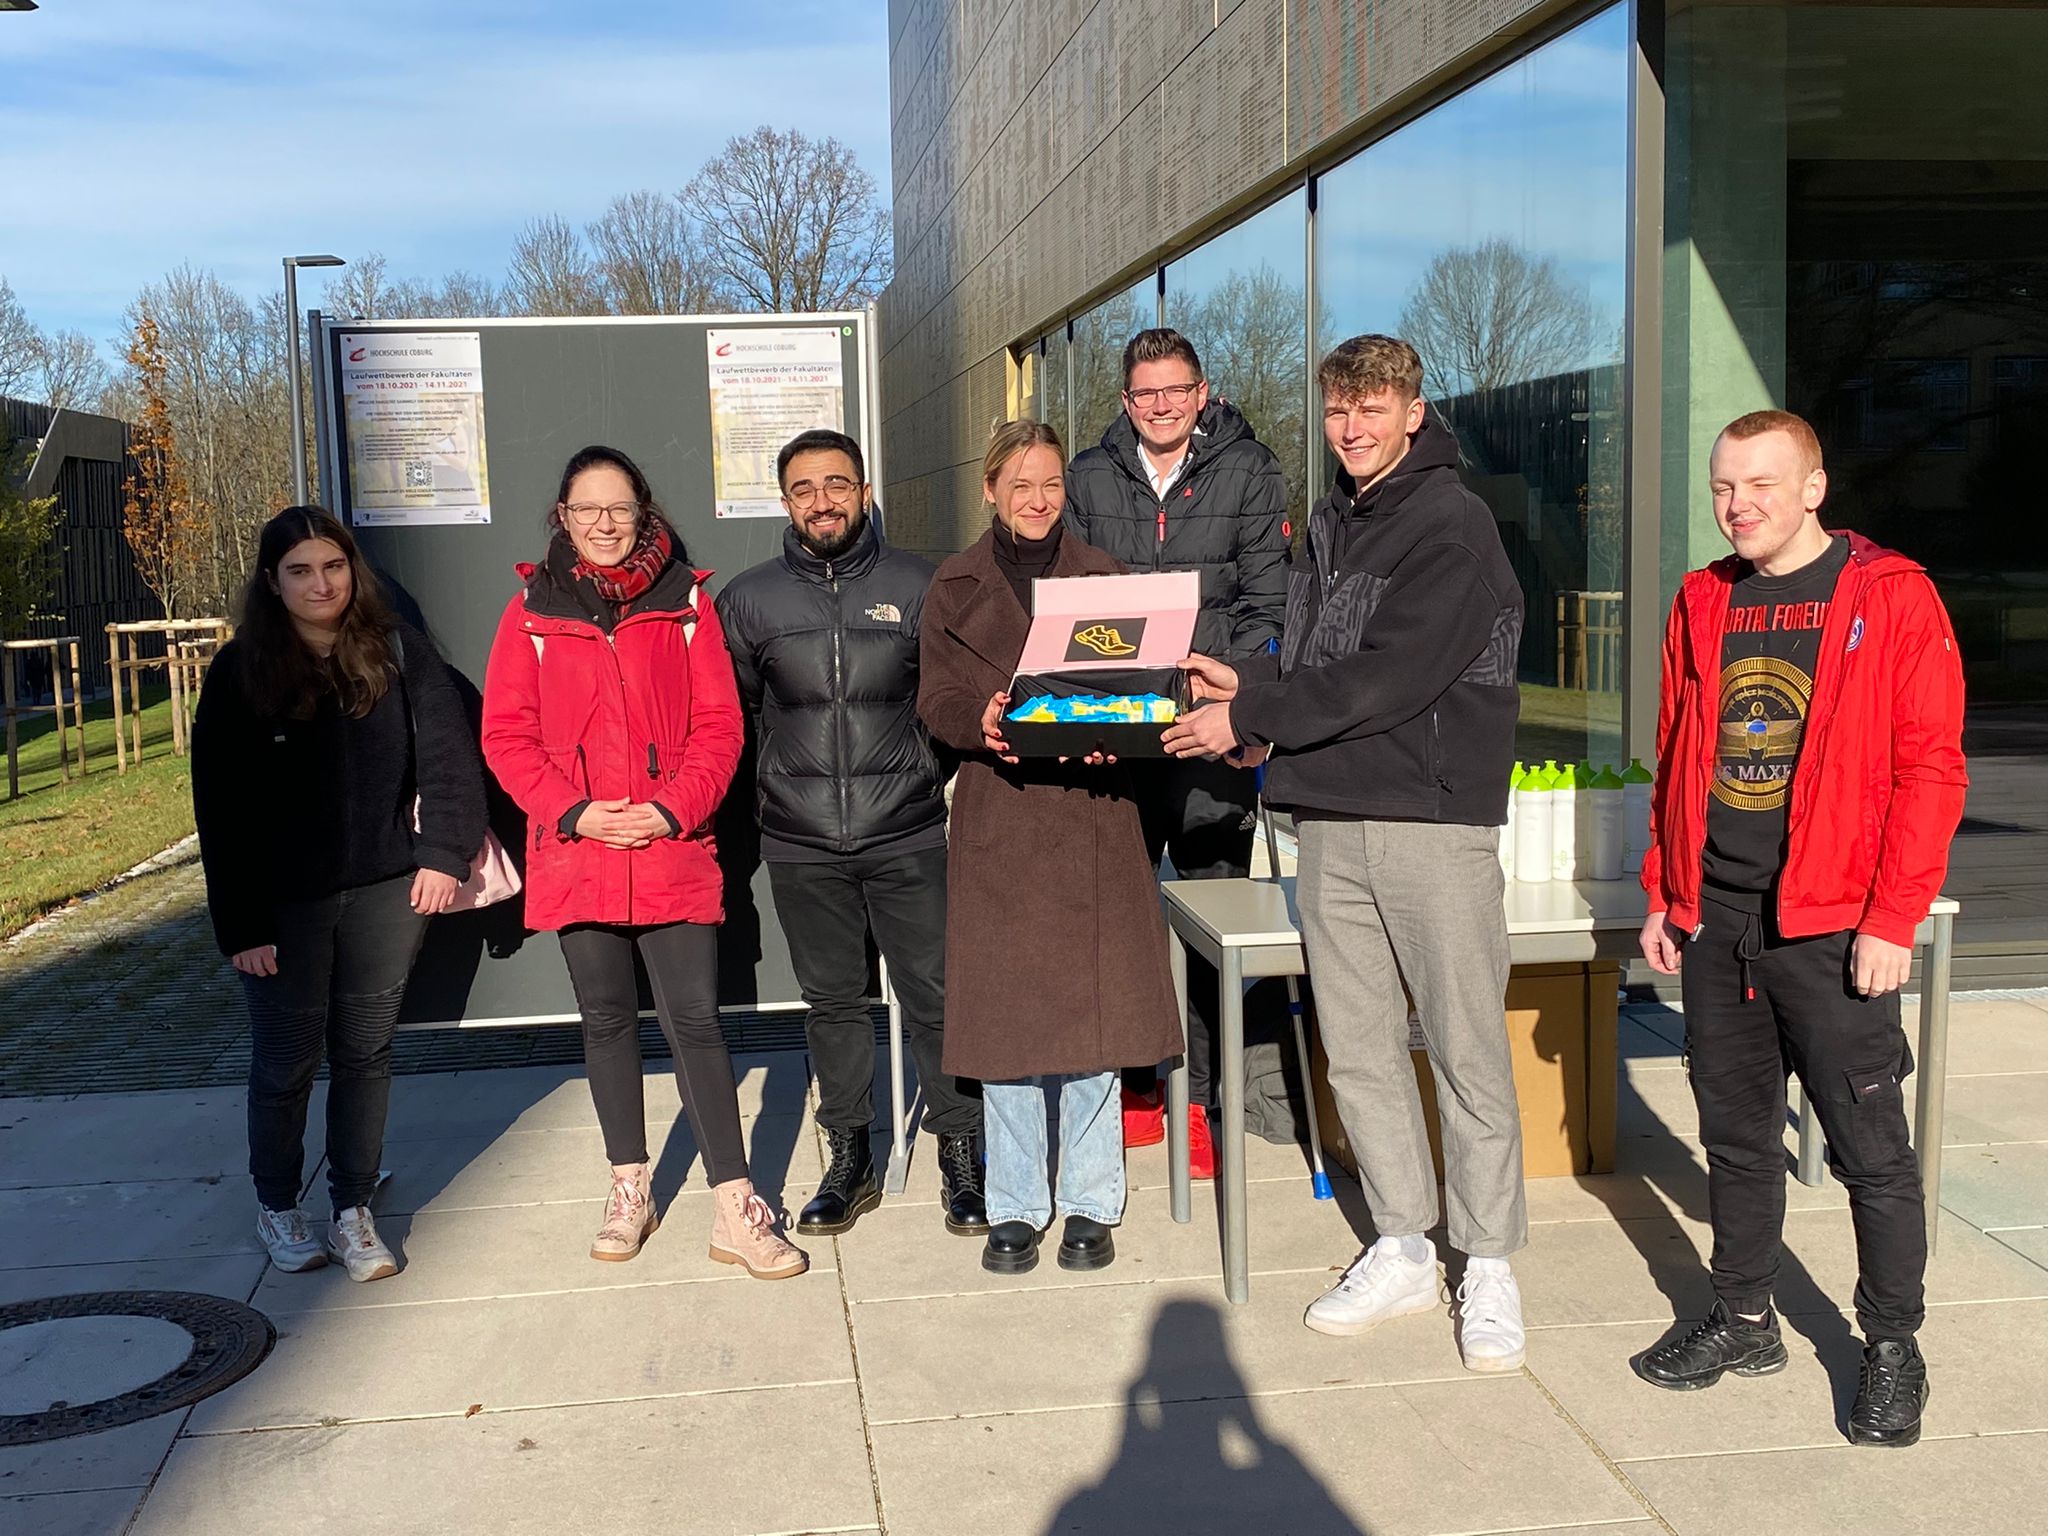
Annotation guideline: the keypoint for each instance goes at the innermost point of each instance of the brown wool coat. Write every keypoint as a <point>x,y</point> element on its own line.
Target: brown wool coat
<point>1055,946</point>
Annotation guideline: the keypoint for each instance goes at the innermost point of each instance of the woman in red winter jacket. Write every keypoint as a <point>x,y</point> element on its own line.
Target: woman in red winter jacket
<point>611,716</point>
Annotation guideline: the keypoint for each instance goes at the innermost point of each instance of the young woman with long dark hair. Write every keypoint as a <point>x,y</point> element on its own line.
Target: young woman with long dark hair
<point>324,728</point>
<point>612,717</point>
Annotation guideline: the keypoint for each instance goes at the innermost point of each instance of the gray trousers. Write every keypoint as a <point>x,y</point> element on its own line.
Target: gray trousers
<point>1388,902</point>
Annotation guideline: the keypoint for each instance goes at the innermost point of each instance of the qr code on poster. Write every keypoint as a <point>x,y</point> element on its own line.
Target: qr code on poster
<point>419,475</point>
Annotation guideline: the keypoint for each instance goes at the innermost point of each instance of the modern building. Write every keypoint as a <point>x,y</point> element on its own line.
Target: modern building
<point>1608,228</point>
<point>79,458</point>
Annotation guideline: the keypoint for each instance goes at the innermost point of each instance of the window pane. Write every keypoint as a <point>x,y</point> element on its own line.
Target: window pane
<point>1052,388</point>
<point>1492,235</point>
<point>1240,299</point>
<point>1099,338</point>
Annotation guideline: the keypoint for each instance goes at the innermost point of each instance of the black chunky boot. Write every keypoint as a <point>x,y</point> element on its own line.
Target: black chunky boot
<point>850,1187</point>
<point>1086,1244</point>
<point>1722,1343</point>
<point>1891,1395</point>
<point>1012,1248</point>
<point>960,1186</point>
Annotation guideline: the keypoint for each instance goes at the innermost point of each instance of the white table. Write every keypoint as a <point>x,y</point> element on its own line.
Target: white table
<point>1249,929</point>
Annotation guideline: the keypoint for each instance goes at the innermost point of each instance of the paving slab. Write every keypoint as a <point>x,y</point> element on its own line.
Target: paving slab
<point>537,1351</point>
<point>105,1513</point>
<point>1644,1270</point>
<point>1990,1486</point>
<point>679,1466</point>
<point>231,1275</point>
<point>1996,1186</point>
<point>1644,1046</point>
<point>146,1219</point>
<point>476,1170</point>
<point>90,1138</point>
<point>518,1250</point>
<point>2005,1107</point>
<point>2032,1242</point>
<point>1995,1035</point>
<point>1084,1346</point>
<point>127,1457</point>
<point>1982,1384</point>
<point>1462,1456</point>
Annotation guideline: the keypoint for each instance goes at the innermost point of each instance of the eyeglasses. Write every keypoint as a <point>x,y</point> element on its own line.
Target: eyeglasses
<point>586,514</point>
<point>1172,394</point>
<point>836,489</point>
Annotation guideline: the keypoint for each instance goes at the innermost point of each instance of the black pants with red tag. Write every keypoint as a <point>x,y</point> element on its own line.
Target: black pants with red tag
<point>1758,1005</point>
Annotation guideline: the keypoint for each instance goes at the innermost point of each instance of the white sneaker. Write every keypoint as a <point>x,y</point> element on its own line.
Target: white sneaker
<point>352,1240</point>
<point>1490,1333</point>
<point>289,1239</point>
<point>1382,1283</point>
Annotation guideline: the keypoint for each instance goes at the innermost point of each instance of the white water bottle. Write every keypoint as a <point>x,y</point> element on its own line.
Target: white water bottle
<point>1507,830</point>
<point>1532,828</point>
<point>1636,784</point>
<point>1564,821</point>
<point>1605,815</point>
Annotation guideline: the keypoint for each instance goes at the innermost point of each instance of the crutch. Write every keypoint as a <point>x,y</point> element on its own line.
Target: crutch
<point>1319,1181</point>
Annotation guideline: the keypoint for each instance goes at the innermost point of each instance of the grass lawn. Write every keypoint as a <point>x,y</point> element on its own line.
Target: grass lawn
<point>60,840</point>
<point>1558,722</point>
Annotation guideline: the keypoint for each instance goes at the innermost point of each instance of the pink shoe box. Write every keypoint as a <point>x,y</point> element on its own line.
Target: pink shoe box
<point>1101,636</point>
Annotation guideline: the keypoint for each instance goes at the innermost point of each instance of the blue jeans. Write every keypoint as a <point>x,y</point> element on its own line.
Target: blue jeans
<point>1091,1149</point>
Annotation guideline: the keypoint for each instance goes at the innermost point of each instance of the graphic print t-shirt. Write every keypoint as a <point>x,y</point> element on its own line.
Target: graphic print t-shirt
<point>1767,662</point>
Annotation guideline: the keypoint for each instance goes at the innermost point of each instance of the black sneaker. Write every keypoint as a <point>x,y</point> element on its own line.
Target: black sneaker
<point>1722,1343</point>
<point>1891,1395</point>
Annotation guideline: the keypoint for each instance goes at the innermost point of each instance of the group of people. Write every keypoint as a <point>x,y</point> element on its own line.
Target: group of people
<point>1369,664</point>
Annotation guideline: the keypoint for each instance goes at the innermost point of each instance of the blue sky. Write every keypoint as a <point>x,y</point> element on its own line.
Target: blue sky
<point>141,134</point>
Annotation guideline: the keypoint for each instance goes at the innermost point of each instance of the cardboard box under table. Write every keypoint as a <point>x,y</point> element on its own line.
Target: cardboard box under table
<point>1097,637</point>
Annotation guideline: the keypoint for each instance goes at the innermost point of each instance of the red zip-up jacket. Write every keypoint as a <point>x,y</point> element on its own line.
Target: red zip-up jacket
<point>1878,788</point>
<point>649,713</point>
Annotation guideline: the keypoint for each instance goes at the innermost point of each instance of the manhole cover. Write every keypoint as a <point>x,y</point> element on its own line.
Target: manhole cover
<point>73,1365</point>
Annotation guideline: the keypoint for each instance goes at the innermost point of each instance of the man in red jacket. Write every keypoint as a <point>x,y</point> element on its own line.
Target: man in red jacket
<point>1810,778</point>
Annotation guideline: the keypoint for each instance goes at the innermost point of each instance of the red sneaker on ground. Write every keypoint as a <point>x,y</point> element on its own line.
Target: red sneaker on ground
<point>1144,1118</point>
<point>1201,1150</point>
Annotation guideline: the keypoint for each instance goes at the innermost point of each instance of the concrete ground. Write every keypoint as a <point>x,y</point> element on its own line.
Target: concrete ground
<point>505,1383</point>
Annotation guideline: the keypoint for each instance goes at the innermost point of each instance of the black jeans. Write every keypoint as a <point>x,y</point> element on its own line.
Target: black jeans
<point>1195,811</point>
<point>1756,1006</point>
<point>342,963</point>
<point>826,911</point>
<point>682,972</point>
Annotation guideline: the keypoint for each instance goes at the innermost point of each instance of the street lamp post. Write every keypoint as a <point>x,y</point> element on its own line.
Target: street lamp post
<point>291,322</point>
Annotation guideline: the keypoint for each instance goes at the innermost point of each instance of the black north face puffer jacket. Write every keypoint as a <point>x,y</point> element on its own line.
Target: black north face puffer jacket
<point>1222,518</point>
<point>826,657</point>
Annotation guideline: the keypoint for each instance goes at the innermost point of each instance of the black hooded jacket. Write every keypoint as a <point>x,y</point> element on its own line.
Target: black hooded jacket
<point>1222,517</point>
<point>1394,695</point>
<point>826,657</point>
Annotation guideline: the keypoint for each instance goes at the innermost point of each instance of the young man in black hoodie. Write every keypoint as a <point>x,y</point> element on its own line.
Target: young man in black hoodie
<point>1390,720</point>
<point>1179,483</point>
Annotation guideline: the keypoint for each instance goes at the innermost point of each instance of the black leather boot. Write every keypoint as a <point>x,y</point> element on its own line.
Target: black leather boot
<point>850,1187</point>
<point>1722,1343</point>
<point>1891,1395</point>
<point>960,1186</point>
<point>1086,1244</point>
<point>1012,1248</point>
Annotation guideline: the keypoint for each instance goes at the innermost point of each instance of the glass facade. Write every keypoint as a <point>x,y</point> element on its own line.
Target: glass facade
<point>1856,229</point>
<point>1241,298</point>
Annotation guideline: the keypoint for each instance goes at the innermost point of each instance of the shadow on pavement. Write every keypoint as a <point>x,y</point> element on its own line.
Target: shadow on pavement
<point>1194,1454</point>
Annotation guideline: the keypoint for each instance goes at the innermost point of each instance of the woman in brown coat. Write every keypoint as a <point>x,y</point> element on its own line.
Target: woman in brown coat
<point>1056,970</point>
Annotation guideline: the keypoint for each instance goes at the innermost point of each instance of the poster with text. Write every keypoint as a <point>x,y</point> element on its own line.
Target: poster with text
<point>767,385</point>
<point>413,414</point>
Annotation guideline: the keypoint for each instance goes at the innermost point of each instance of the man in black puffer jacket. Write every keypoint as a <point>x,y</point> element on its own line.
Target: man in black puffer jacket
<point>1179,483</point>
<point>850,793</point>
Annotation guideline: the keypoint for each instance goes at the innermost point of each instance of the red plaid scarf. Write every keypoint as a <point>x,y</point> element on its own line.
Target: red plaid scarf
<point>631,577</point>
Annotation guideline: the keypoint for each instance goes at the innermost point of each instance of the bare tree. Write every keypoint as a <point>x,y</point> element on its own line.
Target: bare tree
<point>20,344</point>
<point>1251,329</point>
<point>74,375</point>
<point>791,223</point>
<point>1097,353</point>
<point>366,292</point>
<point>647,257</point>
<point>1491,314</point>
<point>358,290</point>
<point>552,273</point>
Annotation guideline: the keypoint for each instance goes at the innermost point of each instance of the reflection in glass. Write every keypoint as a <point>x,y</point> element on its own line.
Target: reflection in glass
<point>1845,240</point>
<point>1098,356</point>
<point>1491,234</point>
<point>1052,383</point>
<point>1240,298</point>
